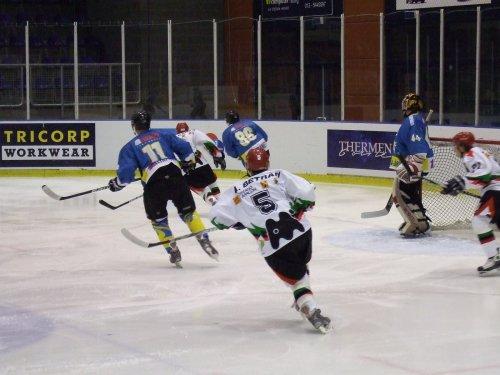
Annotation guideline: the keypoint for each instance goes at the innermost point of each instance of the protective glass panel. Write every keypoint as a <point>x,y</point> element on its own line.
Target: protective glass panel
<point>460,63</point>
<point>12,73</point>
<point>146,73</point>
<point>490,68</point>
<point>399,31</point>
<point>322,69</point>
<point>51,72</point>
<point>280,69</point>
<point>237,67</point>
<point>99,72</point>
<point>193,67</point>
<point>429,61</point>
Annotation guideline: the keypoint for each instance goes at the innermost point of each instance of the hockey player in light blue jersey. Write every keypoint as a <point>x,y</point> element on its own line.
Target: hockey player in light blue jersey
<point>242,135</point>
<point>155,152</point>
<point>412,159</point>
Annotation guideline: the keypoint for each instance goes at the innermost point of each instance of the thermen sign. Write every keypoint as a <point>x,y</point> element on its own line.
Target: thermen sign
<point>47,145</point>
<point>360,149</point>
<point>417,4</point>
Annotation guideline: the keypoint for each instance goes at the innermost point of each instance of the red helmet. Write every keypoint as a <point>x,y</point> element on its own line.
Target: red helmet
<point>182,127</point>
<point>466,139</point>
<point>212,136</point>
<point>257,160</point>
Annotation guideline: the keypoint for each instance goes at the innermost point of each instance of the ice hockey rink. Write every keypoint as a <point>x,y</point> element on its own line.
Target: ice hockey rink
<point>77,297</point>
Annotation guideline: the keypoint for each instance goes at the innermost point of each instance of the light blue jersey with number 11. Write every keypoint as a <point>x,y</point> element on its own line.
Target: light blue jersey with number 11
<point>149,151</point>
<point>243,136</point>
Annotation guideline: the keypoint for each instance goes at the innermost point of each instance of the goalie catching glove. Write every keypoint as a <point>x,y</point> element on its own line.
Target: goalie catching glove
<point>415,164</point>
<point>114,185</point>
<point>454,186</point>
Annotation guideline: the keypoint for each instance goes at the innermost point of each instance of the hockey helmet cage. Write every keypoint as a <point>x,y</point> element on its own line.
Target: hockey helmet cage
<point>232,117</point>
<point>465,139</point>
<point>257,160</point>
<point>412,103</point>
<point>141,120</point>
<point>182,127</point>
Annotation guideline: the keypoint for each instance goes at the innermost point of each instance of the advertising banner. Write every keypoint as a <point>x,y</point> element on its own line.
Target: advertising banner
<point>47,145</point>
<point>296,8</point>
<point>360,149</point>
<point>418,4</point>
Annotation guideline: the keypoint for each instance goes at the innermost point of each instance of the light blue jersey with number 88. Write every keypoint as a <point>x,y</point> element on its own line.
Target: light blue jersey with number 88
<point>241,137</point>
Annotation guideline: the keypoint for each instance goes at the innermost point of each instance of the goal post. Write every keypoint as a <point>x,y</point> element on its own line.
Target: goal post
<point>446,211</point>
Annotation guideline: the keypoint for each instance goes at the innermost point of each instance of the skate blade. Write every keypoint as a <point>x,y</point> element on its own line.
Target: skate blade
<point>213,256</point>
<point>325,329</point>
<point>178,265</point>
<point>489,273</point>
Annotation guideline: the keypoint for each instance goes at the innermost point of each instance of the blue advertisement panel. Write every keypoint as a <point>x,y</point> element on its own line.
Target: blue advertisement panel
<point>47,145</point>
<point>296,8</point>
<point>360,149</point>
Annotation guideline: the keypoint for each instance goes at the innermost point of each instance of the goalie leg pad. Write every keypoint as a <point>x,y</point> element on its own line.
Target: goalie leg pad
<point>409,204</point>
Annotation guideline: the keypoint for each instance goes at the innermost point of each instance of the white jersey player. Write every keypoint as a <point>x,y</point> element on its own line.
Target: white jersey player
<point>483,173</point>
<point>202,180</point>
<point>271,205</point>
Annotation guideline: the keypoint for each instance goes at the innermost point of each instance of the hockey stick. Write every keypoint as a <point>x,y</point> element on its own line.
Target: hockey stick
<point>442,187</point>
<point>57,197</point>
<point>382,212</point>
<point>110,206</point>
<point>388,206</point>
<point>129,236</point>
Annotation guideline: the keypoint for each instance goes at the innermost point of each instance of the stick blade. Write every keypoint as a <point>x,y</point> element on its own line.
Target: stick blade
<point>371,214</point>
<point>129,236</point>
<point>106,204</point>
<point>50,193</point>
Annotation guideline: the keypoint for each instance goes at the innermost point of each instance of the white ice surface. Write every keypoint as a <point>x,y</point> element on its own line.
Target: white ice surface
<point>77,297</point>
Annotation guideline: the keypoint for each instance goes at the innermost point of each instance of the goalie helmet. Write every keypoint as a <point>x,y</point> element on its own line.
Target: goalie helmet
<point>182,127</point>
<point>232,117</point>
<point>412,103</point>
<point>141,120</point>
<point>465,139</point>
<point>257,160</point>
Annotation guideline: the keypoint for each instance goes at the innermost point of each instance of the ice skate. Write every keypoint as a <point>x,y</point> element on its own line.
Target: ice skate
<point>207,247</point>
<point>492,264</point>
<point>320,322</point>
<point>175,255</point>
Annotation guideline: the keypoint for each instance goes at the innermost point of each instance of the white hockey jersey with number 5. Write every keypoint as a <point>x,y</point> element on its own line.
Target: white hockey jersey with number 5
<point>483,171</point>
<point>268,204</point>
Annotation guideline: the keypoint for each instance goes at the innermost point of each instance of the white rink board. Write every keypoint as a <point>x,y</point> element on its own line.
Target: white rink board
<point>300,147</point>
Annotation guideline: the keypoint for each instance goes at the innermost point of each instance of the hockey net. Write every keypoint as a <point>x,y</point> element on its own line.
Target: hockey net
<point>446,211</point>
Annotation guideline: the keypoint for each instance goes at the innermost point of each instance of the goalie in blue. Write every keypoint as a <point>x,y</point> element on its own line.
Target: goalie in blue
<point>411,160</point>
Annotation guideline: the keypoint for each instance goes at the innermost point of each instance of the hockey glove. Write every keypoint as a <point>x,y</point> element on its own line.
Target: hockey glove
<point>454,186</point>
<point>114,185</point>
<point>299,206</point>
<point>187,165</point>
<point>219,161</point>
